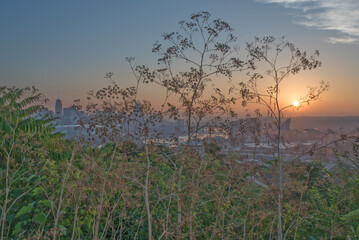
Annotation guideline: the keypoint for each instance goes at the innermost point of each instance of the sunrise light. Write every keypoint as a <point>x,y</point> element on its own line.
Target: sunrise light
<point>295,104</point>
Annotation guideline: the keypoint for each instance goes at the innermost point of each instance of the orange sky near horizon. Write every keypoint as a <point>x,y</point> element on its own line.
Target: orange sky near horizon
<point>341,99</point>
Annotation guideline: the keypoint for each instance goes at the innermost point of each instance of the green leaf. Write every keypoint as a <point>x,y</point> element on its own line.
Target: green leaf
<point>36,191</point>
<point>351,215</point>
<point>352,229</point>
<point>40,218</point>
<point>24,210</point>
<point>32,178</point>
<point>17,228</point>
<point>63,229</point>
<point>88,221</point>
<point>46,203</point>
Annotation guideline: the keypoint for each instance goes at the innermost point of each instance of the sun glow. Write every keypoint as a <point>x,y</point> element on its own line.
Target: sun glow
<point>295,103</point>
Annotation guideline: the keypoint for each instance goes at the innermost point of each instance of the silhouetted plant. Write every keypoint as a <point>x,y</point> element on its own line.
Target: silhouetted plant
<point>272,52</point>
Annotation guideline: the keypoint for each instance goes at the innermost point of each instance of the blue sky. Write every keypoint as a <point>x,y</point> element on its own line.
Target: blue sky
<point>65,47</point>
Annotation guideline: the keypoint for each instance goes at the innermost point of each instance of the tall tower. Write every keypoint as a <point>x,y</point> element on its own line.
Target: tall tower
<point>58,108</point>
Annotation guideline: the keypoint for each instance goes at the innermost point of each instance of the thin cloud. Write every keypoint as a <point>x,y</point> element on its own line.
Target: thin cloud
<point>334,40</point>
<point>341,16</point>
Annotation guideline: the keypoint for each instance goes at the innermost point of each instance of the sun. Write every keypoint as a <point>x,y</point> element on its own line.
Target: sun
<point>295,103</point>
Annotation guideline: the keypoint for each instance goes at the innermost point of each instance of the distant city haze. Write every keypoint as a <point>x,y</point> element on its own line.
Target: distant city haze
<point>64,48</point>
<point>341,124</point>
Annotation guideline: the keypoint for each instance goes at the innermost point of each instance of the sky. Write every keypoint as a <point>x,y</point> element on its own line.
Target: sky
<point>64,48</point>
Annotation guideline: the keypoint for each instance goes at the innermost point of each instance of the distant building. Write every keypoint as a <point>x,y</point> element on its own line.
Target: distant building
<point>72,130</point>
<point>69,116</point>
<point>43,112</point>
<point>285,125</point>
<point>58,108</point>
<point>180,127</point>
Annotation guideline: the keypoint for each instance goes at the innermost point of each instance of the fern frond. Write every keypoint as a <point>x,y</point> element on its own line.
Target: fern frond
<point>29,100</point>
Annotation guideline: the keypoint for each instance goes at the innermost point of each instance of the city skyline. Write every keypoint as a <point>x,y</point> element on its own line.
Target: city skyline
<point>65,49</point>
